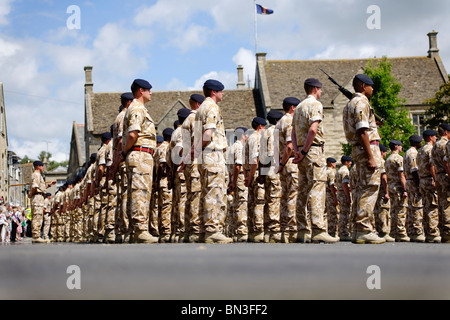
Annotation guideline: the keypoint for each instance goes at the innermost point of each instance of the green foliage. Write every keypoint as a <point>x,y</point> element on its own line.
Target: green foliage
<point>51,165</point>
<point>387,104</point>
<point>439,111</point>
<point>347,149</point>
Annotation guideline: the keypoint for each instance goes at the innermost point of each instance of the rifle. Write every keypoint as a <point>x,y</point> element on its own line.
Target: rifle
<point>349,95</point>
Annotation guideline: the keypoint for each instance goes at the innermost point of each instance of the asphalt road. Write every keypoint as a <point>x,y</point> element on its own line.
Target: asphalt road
<point>225,272</point>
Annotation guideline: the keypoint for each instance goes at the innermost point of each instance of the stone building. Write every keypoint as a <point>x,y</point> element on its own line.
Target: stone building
<point>421,77</point>
<point>3,148</point>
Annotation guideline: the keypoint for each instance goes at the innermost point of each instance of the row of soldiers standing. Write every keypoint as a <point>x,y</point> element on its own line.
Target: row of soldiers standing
<point>277,179</point>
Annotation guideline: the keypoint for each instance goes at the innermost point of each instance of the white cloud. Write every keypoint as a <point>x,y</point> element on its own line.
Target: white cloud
<point>5,9</point>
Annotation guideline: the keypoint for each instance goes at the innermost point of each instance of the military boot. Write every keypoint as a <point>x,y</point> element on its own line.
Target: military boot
<point>241,238</point>
<point>194,238</point>
<point>275,237</point>
<point>420,238</point>
<point>434,239</point>
<point>217,237</point>
<point>39,240</point>
<point>165,238</point>
<point>110,237</point>
<point>368,238</point>
<point>402,238</point>
<point>303,237</point>
<point>258,237</point>
<point>144,237</point>
<point>387,237</point>
<point>324,237</point>
<point>445,238</point>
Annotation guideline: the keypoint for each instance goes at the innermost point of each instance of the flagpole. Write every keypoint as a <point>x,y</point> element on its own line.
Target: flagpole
<point>256,28</point>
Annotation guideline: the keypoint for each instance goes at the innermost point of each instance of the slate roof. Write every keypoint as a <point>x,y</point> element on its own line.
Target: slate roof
<point>419,76</point>
<point>237,107</point>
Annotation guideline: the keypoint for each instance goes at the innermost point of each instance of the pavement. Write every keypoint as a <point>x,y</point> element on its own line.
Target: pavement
<point>341,271</point>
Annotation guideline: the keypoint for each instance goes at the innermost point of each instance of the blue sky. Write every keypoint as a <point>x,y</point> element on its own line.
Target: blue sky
<point>177,45</point>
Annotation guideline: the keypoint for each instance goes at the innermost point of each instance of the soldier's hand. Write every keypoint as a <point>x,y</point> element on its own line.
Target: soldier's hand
<point>386,197</point>
<point>248,181</point>
<point>371,164</point>
<point>298,157</point>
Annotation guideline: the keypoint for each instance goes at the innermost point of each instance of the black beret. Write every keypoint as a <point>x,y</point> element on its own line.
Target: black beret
<point>275,114</point>
<point>395,142</point>
<point>365,79</point>
<point>93,156</point>
<point>184,113</point>
<point>291,101</point>
<point>197,98</point>
<point>331,160</point>
<point>106,136</point>
<point>159,139</point>
<point>214,85</point>
<point>429,133</point>
<point>313,83</point>
<point>168,132</point>
<point>445,126</point>
<point>48,194</point>
<point>383,148</point>
<point>260,121</point>
<point>346,158</point>
<point>38,163</point>
<point>176,124</point>
<point>242,129</point>
<point>144,84</point>
<point>415,139</point>
<point>127,96</point>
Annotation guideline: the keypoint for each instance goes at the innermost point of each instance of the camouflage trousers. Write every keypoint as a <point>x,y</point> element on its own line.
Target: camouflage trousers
<point>96,217</point>
<point>193,221</point>
<point>179,203</point>
<point>90,218</point>
<point>255,206</point>
<point>344,214</point>
<point>103,210</point>
<point>47,222</point>
<point>111,205</point>
<point>59,225</point>
<point>311,195</point>
<point>122,219</point>
<point>272,196</point>
<point>140,178</point>
<point>382,214</point>
<point>77,225</point>
<point>367,188</point>
<point>288,201</point>
<point>430,207</point>
<point>399,210</point>
<point>239,207</point>
<point>213,197</point>
<point>415,209</point>
<point>164,208</point>
<point>153,224</point>
<point>443,191</point>
<point>37,211</point>
<point>332,215</point>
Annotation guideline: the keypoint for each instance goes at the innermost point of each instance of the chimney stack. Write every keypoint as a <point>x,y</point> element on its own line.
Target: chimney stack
<point>89,85</point>
<point>434,51</point>
<point>241,82</point>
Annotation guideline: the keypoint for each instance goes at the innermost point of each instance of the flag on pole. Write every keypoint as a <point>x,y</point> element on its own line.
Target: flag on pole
<point>261,10</point>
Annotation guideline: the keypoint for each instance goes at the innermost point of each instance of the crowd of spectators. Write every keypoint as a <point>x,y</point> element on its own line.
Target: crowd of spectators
<point>15,223</point>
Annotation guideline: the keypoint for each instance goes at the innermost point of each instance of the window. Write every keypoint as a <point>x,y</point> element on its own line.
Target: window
<point>418,121</point>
